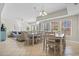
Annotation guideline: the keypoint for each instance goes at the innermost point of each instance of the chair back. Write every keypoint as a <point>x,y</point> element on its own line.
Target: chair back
<point>50,35</point>
<point>24,35</point>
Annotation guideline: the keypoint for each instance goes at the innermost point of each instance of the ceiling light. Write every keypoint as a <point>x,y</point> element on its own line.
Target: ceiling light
<point>37,22</point>
<point>40,13</point>
<point>43,13</point>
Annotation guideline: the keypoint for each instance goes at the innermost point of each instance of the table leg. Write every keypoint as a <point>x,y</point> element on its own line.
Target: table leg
<point>61,47</point>
<point>43,44</point>
<point>33,40</point>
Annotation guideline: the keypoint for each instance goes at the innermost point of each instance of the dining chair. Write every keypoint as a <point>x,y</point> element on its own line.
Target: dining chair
<point>49,39</point>
<point>20,37</point>
<point>61,43</point>
<point>50,42</point>
<point>26,38</point>
<point>37,39</point>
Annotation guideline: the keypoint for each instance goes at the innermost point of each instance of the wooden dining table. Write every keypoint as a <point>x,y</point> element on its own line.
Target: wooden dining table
<point>33,37</point>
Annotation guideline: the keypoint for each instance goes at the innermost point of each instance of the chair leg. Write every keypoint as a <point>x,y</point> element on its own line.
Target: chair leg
<point>43,45</point>
<point>54,50</point>
<point>46,48</point>
<point>27,42</point>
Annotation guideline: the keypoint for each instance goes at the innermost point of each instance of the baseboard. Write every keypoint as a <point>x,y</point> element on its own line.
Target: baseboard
<point>73,41</point>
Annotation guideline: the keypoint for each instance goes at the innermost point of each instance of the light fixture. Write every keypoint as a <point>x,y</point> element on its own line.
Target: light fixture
<point>37,22</point>
<point>43,13</point>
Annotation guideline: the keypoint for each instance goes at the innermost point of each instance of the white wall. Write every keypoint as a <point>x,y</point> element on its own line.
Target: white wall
<point>74,28</point>
<point>12,25</point>
<point>72,9</point>
<point>9,24</point>
<point>1,8</point>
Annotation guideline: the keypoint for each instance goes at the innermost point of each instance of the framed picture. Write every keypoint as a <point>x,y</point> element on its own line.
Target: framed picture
<point>66,27</point>
<point>55,26</point>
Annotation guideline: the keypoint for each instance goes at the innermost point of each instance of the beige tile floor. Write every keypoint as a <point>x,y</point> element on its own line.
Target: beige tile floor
<point>11,47</point>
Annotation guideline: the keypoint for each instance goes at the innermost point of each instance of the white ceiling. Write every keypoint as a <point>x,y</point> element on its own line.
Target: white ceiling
<point>28,11</point>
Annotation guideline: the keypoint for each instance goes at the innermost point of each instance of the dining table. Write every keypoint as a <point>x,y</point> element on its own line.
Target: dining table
<point>33,37</point>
